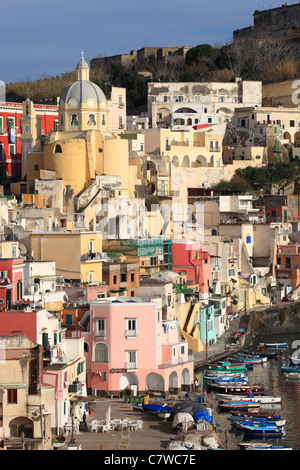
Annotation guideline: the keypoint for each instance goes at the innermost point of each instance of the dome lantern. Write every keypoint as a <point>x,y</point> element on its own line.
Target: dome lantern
<point>83,70</point>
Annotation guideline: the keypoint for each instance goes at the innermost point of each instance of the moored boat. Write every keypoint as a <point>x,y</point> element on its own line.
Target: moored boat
<point>257,399</point>
<point>265,429</point>
<point>239,389</point>
<point>260,446</point>
<point>276,345</point>
<point>256,420</point>
<point>238,405</point>
<point>225,366</point>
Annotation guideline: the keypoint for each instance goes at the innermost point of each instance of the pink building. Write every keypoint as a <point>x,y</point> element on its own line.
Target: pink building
<point>11,281</point>
<point>188,256</point>
<point>129,347</point>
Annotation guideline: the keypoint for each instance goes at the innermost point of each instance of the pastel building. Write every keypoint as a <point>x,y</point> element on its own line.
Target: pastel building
<point>11,281</point>
<point>188,256</point>
<point>26,403</point>
<point>130,347</point>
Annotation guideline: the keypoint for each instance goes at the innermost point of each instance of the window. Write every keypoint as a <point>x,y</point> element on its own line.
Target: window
<point>1,152</point>
<point>91,120</point>
<point>278,260</point>
<point>12,396</point>
<point>231,272</point>
<point>10,122</point>
<point>36,167</point>
<point>132,277</point>
<point>114,279</point>
<point>273,213</point>
<point>288,263</point>
<point>248,239</point>
<point>131,327</point>
<point>123,277</point>
<point>74,120</point>
<point>182,350</point>
<point>91,275</point>
<point>292,123</point>
<point>56,125</point>
<point>58,149</point>
<point>131,359</point>
<point>101,327</point>
<point>11,150</point>
<point>69,319</point>
<point>101,353</point>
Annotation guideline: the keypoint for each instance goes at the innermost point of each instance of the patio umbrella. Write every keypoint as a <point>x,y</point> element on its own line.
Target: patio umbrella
<point>108,415</point>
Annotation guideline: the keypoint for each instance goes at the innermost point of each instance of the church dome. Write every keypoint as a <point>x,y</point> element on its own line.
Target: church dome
<point>81,92</point>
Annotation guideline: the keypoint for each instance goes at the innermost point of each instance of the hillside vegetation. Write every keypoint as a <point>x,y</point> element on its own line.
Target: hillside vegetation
<point>267,60</point>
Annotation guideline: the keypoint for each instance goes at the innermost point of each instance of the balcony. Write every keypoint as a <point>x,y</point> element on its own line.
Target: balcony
<point>176,361</point>
<point>93,257</point>
<point>131,366</point>
<point>74,387</point>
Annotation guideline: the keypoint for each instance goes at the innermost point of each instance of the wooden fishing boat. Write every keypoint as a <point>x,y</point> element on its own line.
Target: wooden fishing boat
<point>258,413</point>
<point>225,366</point>
<point>227,380</point>
<point>257,399</point>
<point>248,359</point>
<point>262,429</point>
<point>238,406</point>
<point>256,420</point>
<point>260,446</point>
<point>276,345</point>
<point>239,389</point>
<point>290,369</point>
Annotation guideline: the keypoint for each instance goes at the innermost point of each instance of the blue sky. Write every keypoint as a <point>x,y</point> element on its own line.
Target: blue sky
<point>41,38</point>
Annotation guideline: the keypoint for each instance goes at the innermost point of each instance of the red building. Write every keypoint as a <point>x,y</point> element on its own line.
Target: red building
<point>10,135</point>
<point>11,282</point>
<point>188,256</point>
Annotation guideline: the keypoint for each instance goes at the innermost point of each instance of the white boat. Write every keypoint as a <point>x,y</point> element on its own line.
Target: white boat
<point>256,399</point>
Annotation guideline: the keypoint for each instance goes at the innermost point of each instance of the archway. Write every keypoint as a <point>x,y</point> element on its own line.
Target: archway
<point>186,161</point>
<point>173,382</point>
<point>21,424</point>
<point>128,380</point>
<point>297,139</point>
<point>201,161</point>
<point>185,379</point>
<point>287,136</point>
<point>155,382</point>
<point>175,161</point>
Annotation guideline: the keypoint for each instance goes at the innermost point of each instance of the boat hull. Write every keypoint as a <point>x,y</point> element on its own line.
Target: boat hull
<point>256,399</point>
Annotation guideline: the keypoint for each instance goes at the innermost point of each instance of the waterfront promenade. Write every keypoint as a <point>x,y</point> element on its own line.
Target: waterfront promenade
<point>156,433</point>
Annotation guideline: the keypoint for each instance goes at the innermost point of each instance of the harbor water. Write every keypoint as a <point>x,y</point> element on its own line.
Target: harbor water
<point>276,384</point>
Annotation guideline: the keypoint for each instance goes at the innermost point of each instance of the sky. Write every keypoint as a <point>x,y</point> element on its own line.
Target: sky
<point>40,38</point>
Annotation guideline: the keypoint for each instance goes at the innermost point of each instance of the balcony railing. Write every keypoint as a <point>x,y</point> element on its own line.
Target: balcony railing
<point>74,387</point>
<point>176,361</point>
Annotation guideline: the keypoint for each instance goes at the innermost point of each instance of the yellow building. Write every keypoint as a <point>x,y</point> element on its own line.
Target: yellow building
<point>78,255</point>
<point>83,146</point>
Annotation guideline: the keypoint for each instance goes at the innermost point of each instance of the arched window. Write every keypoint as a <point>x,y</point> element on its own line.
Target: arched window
<point>101,353</point>
<point>58,149</point>
<point>74,120</point>
<point>91,120</point>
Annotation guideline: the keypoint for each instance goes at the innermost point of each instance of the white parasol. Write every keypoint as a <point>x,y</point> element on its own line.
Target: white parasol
<point>108,415</point>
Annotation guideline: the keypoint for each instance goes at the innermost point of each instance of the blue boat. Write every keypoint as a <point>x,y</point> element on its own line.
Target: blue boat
<point>154,409</point>
<point>265,429</point>
<point>276,345</point>
<point>238,405</point>
<point>258,446</point>
<point>258,421</point>
<point>289,369</point>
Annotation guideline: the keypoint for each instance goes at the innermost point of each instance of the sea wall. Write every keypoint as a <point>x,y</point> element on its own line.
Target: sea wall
<point>275,320</point>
